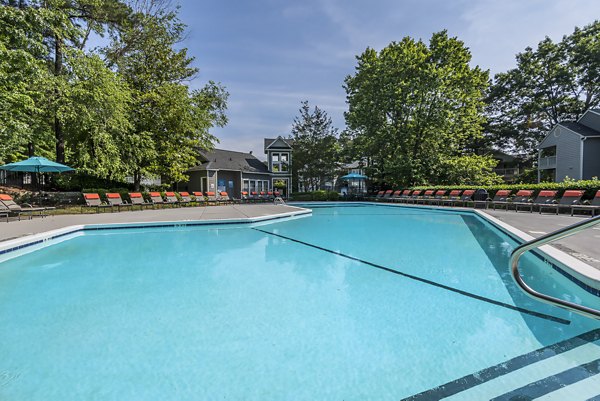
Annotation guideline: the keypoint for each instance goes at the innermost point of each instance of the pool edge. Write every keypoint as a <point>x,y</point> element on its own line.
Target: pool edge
<point>38,238</point>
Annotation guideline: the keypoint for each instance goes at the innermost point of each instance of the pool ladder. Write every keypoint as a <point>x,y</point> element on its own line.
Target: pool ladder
<point>543,240</point>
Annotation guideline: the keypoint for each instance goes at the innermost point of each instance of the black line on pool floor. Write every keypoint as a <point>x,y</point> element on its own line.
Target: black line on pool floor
<point>518,362</point>
<point>424,280</point>
<point>552,383</point>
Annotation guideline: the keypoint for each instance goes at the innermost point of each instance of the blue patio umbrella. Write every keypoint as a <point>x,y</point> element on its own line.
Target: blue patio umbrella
<point>37,165</point>
<point>354,176</point>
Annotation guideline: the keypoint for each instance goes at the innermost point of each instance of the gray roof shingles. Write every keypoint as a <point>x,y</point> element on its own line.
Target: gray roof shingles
<point>219,159</point>
<point>579,128</point>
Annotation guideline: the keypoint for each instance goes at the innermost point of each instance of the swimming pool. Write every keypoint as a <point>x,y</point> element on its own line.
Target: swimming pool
<point>355,302</point>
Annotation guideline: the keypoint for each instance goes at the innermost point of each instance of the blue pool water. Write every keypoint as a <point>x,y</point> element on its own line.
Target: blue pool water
<point>351,303</point>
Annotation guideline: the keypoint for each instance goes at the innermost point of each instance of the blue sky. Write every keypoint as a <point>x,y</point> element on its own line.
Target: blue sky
<point>273,54</point>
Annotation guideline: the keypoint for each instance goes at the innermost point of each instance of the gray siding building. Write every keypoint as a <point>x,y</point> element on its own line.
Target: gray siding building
<point>233,172</point>
<point>571,149</point>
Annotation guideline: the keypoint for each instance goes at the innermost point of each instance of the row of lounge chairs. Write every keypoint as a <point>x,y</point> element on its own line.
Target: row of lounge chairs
<point>155,199</point>
<point>523,200</point>
<point>8,208</point>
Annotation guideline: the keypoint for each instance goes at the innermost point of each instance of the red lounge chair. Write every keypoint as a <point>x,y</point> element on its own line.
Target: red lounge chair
<point>378,196</point>
<point>224,198</point>
<point>93,200</point>
<point>592,206</point>
<point>186,199</point>
<point>156,198</point>
<point>414,198</point>
<point>245,198</point>
<point>396,195</point>
<point>404,196</point>
<point>9,206</point>
<point>114,199</point>
<point>138,200</point>
<point>453,197</point>
<point>427,196</point>
<point>270,196</point>
<point>569,198</point>
<point>199,197</point>
<point>466,198</point>
<point>437,197</point>
<point>544,198</point>
<point>501,198</point>
<point>211,197</point>
<point>171,199</point>
<point>386,195</point>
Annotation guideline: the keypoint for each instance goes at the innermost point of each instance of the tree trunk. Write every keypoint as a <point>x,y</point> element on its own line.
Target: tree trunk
<point>58,131</point>
<point>137,180</point>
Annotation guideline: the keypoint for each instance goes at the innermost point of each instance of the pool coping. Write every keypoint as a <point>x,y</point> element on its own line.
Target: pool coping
<point>39,238</point>
<point>582,274</point>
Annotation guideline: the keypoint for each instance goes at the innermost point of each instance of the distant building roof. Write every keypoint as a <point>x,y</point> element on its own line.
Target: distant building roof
<point>579,128</point>
<point>219,159</point>
<point>283,143</point>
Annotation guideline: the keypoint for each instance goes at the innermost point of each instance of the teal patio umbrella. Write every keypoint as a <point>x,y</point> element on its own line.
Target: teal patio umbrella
<point>37,165</point>
<point>355,177</point>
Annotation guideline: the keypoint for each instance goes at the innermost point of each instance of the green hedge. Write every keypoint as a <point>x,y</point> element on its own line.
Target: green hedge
<point>315,196</point>
<point>590,187</point>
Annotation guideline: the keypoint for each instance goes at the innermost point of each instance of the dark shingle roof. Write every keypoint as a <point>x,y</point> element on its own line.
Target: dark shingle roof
<point>579,128</point>
<point>269,141</point>
<point>219,159</point>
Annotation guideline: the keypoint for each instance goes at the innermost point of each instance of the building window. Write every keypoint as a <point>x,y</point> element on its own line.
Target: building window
<point>279,162</point>
<point>246,185</point>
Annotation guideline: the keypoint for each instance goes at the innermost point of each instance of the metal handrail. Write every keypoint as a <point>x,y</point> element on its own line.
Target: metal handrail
<point>553,236</point>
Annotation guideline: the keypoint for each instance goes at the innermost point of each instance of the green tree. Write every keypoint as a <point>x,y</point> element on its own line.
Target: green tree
<point>316,148</point>
<point>23,81</point>
<point>553,83</point>
<point>170,121</point>
<point>413,107</point>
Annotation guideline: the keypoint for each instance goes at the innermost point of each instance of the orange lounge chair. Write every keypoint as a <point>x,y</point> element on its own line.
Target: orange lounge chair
<point>93,200</point>
<point>211,197</point>
<point>171,199</point>
<point>156,198</point>
<point>501,198</point>
<point>199,197</point>
<point>452,198</point>
<point>9,206</point>
<point>544,198</point>
<point>114,199</point>
<point>137,199</point>
<point>592,206</point>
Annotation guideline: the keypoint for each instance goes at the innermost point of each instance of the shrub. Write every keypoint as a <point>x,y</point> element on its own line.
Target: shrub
<point>590,187</point>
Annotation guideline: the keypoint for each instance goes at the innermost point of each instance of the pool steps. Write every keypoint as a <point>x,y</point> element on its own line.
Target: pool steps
<point>569,370</point>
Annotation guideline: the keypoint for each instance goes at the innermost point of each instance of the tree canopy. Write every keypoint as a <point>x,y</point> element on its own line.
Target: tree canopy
<point>122,110</point>
<point>316,148</point>
<point>554,82</point>
<point>414,109</point>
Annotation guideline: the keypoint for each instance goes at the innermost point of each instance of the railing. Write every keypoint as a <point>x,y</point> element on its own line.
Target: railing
<point>553,236</point>
<point>507,172</point>
<point>547,162</point>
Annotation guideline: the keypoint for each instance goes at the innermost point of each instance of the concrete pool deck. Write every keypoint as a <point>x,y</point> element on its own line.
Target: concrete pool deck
<point>583,246</point>
<point>37,225</point>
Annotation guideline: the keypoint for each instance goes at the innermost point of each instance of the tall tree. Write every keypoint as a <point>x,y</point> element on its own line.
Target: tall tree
<point>170,121</point>
<point>316,148</point>
<point>23,80</point>
<point>412,107</point>
<point>553,83</point>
